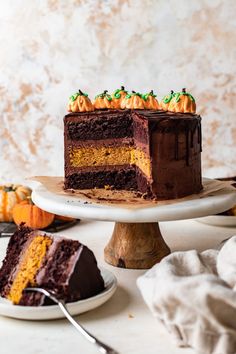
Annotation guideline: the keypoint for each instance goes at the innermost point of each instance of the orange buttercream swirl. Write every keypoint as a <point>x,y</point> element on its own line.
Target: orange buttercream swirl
<point>165,102</point>
<point>151,101</point>
<point>118,97</point>
<point>80,102</point>
<point>179,102</point>
<point>103,101</point>
<point>133,100</point>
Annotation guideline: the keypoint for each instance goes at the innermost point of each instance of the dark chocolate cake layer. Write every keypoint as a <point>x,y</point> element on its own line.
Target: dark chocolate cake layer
<point>99,125</point>
<point>169,142</point>
<point>117,177</point>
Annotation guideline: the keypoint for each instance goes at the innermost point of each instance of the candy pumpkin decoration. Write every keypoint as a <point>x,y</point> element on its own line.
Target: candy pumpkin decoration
<point>133,100</point>
<point>10,195</point>
<point>182,102</point>
<point>103,101</point>
<point>32,216</point>
<point>118,96</point>
<point>151,101</point>
<point>165,102</point>
<point>79,102</point>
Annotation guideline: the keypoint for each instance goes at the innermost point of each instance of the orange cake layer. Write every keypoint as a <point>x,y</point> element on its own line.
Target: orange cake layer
<point>110,156</point>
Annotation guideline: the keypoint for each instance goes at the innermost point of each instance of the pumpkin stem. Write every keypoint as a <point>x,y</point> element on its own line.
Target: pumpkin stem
<point>184,90</point>
<point>122,88</point>
<point>80,92</point>
<point>30,200</point>
<point>171,92</point>
<point>8,188</point>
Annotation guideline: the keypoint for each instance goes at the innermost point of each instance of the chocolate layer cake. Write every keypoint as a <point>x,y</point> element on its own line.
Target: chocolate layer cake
<point>36,258</point>
<point>154,152</point>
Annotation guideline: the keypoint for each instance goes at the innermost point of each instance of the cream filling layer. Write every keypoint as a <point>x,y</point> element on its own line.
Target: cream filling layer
<point>110,156</point>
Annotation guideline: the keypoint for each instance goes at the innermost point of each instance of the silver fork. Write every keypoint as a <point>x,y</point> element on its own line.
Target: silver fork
<point>102,347</point>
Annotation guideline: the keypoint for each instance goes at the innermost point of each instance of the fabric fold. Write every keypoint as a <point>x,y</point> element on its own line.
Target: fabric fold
<point>193,295</point>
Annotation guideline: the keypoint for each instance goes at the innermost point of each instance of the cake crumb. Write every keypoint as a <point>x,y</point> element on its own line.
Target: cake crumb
<point>130,316</point>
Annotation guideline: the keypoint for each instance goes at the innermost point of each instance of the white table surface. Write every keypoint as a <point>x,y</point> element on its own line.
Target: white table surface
<point>124,321</point>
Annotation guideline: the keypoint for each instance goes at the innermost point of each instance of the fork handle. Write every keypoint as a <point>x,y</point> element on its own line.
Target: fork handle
<point>102,347</point>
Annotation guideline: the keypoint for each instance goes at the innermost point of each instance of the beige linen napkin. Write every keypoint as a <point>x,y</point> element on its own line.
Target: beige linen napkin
<point>194,295</point>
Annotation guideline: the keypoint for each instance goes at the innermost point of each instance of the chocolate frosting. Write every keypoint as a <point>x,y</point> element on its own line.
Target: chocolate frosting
<point>172,141</point>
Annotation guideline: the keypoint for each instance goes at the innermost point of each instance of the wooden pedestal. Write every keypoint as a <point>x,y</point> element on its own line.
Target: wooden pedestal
<point>136,246</point>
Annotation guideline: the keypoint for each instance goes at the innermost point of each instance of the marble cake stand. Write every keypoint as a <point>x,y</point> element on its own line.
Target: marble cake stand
<point>136,242</point>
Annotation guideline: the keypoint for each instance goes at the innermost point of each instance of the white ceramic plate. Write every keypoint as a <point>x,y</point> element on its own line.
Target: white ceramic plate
<point>219,220</point>
<point>54,312</point>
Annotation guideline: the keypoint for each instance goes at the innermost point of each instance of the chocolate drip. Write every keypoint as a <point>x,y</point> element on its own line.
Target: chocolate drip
<point>187,146</point>
<point>176,145</point>
<point>191,138</point>
<point>199,140</point>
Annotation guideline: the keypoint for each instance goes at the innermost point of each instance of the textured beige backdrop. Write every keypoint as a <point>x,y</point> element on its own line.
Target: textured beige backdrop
<point>50,48</point>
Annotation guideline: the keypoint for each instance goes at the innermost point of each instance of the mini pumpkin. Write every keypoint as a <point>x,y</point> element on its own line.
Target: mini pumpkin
<point>133,100</point>
<point>151,101</point>
<point>10,195</point>
<point>28,213</point>
<point>80,102</point>
<point>103,101</point>
<point>182,102</point>
<point>165,102</point>
<point>118,96</point>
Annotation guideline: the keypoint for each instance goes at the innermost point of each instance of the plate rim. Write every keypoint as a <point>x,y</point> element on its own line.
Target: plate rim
<point>219,220</point>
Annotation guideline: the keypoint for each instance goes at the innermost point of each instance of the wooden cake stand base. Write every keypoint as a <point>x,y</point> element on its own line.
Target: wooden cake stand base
<point>136,245</point>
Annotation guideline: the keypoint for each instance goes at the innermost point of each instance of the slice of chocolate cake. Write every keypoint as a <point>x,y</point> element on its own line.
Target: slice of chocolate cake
<point>36,258</point>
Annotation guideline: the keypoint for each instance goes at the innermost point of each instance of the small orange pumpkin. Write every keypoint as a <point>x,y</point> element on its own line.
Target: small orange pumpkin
<point>133,100</point>
<point>182,102</point>
<point>32,216</point>
<point>118,96</point>
<point>151,101</point>
<point>80,102</point>
<point>165,102</point>
<point>10,195</point>
<point>103,101</point>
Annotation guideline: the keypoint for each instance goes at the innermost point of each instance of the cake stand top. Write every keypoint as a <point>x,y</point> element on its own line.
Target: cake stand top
<point>73,206</point>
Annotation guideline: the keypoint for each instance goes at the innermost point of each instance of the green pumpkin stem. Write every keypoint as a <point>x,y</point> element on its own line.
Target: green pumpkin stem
<point>8,188</point>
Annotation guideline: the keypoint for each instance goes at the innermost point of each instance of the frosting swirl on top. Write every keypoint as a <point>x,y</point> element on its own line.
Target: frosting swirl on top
<point>118,96</point>
<point>133,100</point>
<point>182,102</point>
<point>120,93</point>
<point>103,101</point>
<point>151,101</point>
<point>164,104</point>
<point>80,102</point>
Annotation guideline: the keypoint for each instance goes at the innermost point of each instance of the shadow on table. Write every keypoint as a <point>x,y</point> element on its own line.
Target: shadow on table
<point>118,303</point>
